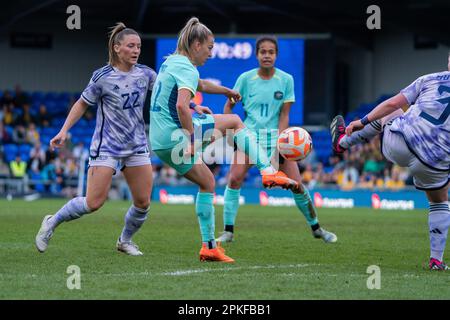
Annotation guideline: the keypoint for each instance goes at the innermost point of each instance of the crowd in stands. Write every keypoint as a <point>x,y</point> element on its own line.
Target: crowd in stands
<point>29,121</point>
<point>26,127</point>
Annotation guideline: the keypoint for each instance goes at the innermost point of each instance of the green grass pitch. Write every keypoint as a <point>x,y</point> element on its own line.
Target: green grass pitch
<point>276,255</point>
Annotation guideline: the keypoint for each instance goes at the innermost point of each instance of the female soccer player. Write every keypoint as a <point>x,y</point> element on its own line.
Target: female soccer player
<point>418,140</point>
<point>172,126</point>
<point>119,89</point>
<point>267,96</point>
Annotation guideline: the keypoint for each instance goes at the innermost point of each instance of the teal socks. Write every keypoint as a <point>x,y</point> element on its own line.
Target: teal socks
<point>231,206</point>
<point>305,205</point>
<point>205,212</point>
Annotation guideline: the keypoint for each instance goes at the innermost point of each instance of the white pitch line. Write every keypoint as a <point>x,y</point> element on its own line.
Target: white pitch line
<point>192,271</point>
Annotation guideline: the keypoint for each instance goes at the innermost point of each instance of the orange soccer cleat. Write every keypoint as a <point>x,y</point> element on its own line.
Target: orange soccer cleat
<point>278,179</point>
<point>215,254</point>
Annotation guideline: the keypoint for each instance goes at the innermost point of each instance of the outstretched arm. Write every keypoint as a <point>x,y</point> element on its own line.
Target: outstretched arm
<point>383,109</point>
<point>209,87</point>
<point>77,111</point>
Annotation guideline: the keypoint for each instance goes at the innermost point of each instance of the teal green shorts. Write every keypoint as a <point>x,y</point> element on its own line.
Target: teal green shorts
<point>175,157</point>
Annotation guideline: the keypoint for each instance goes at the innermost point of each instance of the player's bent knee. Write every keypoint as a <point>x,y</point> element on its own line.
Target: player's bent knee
<point>237,121</point>
<point>235,182</point>
<point>437,196</point>
<point>208,185</point>
<point>142,204</point>
<point>94,205</point>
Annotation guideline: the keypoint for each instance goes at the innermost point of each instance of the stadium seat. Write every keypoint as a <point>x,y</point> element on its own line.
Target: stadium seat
<point>76,95</point>
<point>58,122</point>
<point>25,156</point>
<point>37,96</point>
<point>51,96</point>
<point>45,139</point>
<point>10,151</point>
<point>25,148</point>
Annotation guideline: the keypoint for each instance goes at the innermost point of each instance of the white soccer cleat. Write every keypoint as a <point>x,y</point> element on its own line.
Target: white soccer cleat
<point>226,236</point>
<point>129,248</point>
<point>44,234</point>
<point>327,236</point>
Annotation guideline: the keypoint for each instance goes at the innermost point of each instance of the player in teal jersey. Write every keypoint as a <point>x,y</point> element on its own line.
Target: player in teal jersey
<point>174,130</point>
<point>267,96</point>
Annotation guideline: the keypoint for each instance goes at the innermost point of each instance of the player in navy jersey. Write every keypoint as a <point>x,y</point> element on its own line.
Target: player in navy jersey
<point>119,141</point>
<point>418,139</point>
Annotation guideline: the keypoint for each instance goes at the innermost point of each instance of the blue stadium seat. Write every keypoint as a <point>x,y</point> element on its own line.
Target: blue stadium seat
<point>76,138</point>
<point>58,122</point>
<point>49,131</point>
<point>51,107</point>
<point>45,139</point>
<point>10,148</point>
<point>87,142</point>
<point>25,156</point>
<point>37,96</point>
<point>10,151</point>
<point>82,123</point>
<point>25,148</point>
<point>51,96</point>
<point>64,96</point>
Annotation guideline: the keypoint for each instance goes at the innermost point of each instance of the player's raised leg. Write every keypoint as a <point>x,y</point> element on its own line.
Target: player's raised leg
<point>438,222</point>
<point>237,174</point>
<point>341,142</point>
<point>140,181</point>
<point>98,184</point>
<point>246,142</point>
<point>304,203</point>
<point>202,176</point>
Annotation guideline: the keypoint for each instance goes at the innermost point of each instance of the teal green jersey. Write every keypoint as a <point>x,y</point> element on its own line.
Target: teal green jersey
<point>176,73</point>
<point>263,99</point>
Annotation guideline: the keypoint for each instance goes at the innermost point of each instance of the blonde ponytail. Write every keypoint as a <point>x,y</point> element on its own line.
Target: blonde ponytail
<point>115,37</point>
<point>192,31</point>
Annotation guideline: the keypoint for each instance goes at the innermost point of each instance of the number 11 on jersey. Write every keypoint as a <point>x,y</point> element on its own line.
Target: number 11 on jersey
<point>264,110</point>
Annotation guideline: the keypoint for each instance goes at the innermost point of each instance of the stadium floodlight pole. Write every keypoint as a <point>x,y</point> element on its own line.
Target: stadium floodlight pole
<point>81,174</point>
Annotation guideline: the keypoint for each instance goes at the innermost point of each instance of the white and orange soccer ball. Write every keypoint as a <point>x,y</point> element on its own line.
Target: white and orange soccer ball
<point>294,143</point>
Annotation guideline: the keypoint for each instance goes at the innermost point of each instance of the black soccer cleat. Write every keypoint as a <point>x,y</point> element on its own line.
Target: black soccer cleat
<point>337,129</point>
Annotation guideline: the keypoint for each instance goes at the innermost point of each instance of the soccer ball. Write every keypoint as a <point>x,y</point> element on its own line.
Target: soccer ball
<point>294,143</point>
